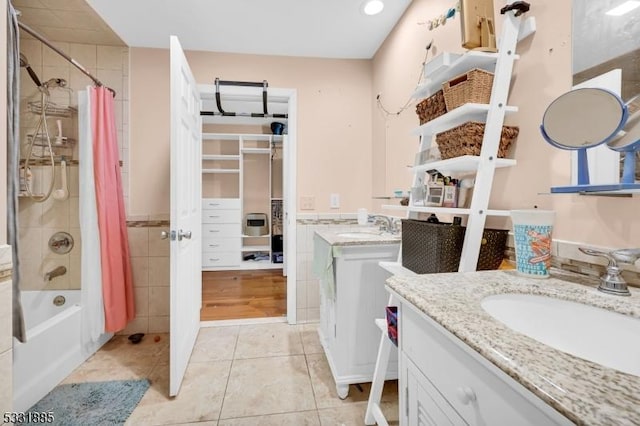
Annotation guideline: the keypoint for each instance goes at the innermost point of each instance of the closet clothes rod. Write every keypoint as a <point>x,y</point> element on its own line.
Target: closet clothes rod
<point>242,114</point>
<point>73,62</point>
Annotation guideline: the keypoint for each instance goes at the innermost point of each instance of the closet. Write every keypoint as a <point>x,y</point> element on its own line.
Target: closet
<point>243,182</point>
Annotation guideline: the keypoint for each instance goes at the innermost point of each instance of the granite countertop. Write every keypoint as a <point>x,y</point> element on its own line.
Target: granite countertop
<point>360,236</point>
<point>583,391</point>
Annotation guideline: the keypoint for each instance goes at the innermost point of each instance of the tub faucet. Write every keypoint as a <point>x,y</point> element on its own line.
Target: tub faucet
<point>612,282</point>
<point>388,224</point>
<point>60,270</point>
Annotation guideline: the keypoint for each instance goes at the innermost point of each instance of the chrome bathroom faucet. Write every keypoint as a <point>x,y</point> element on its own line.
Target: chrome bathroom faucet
<point>60,270</point>
<point>388,225</point>
<point>612,282</point>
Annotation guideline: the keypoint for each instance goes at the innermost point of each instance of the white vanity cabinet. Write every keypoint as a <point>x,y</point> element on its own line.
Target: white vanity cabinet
<point>347,330</point>
<point>445,382</point>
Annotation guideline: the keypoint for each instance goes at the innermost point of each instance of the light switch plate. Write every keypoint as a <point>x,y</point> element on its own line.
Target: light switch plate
<point>334,201</point>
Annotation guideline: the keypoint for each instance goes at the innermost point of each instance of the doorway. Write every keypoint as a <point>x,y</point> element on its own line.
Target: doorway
<point>248,216</point>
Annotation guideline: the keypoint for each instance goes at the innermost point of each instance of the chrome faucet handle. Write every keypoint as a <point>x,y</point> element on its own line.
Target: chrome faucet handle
<point>630,256</point>
<point>611,282</point>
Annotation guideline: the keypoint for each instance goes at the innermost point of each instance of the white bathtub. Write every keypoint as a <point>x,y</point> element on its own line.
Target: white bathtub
<point>53,348</point>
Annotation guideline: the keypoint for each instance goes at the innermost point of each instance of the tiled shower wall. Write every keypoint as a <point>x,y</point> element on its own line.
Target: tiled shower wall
<point>150,265</point>
<point>39,221</point>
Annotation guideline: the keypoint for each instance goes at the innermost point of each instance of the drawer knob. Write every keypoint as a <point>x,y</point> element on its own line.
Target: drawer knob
<point>466,395</point>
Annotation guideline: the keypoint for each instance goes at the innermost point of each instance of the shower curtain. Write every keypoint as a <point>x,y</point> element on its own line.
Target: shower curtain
<point>13,162</point>
<point>117,282</point>
<point>90,267</point>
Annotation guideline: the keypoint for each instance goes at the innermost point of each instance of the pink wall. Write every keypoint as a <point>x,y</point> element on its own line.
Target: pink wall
<point>542,73</point>
<point>334,122</point>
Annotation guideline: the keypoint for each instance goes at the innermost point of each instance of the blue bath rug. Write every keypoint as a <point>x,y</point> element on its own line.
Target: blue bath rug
<point>92,403</point>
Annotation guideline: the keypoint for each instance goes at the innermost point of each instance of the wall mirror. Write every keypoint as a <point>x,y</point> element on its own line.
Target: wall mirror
<point>606,36</point>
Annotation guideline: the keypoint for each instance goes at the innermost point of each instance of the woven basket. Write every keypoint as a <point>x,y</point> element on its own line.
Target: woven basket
<point>466,139</point>
<point>429,248</point>
<point>473,86</point>
<point>431,107</point>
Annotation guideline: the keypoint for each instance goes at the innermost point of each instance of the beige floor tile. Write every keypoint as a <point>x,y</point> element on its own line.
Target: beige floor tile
<point>324,387</point>
<point>353,414</point>
<point>211,423</point>
<point>108,369</point>
<point>215,344</point>
<point>310,340</point>
<point>301,418</point>
<point>263,340</point>
<point>121,349</point>
<point>200,396</point>
<point>268,386</point>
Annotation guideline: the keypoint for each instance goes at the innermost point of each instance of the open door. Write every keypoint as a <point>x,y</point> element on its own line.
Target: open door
<point>186,213</point>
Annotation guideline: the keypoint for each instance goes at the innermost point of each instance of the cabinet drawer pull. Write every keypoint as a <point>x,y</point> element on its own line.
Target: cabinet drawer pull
<point>215,259</point>
<point>213,216</point>
<point>214,245</point>
<point>214,230</point>
<point>466,395</point>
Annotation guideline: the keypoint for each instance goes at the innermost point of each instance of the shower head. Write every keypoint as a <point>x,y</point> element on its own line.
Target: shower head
<point>25,63</point>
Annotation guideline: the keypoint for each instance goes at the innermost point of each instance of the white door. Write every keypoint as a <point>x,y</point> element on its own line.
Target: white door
<point>186,213</point>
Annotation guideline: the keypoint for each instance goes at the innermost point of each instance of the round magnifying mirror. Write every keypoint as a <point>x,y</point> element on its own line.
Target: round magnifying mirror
<point>628,141</point>
<point>583,118</point>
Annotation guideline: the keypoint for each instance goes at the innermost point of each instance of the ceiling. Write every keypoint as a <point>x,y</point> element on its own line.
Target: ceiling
<point>311,28</point>
<point>66,20</point>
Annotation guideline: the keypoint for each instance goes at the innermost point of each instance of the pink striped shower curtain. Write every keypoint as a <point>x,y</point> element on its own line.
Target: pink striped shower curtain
<point>117,282</point>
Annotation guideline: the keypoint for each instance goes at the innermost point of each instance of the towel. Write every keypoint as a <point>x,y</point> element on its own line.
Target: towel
<point>323,254</point>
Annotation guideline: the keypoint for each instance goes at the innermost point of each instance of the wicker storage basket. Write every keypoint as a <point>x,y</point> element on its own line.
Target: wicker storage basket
<point>431,107</point>
<point>473,86</point>
<point>429,248</point>
<point>466,139</point>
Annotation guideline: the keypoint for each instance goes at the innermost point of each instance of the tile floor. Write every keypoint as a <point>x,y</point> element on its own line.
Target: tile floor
<point>266,374</point>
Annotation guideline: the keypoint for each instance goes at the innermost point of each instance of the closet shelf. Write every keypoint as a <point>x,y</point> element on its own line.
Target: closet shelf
<point>222,157</point>
<point>256,150</point>
<point>458,116</point>
<point>220,171</point>
<point>255,248</point>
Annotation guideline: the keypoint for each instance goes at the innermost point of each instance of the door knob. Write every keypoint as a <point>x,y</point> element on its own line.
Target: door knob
<point>164,235</point>
<point>184,234</point>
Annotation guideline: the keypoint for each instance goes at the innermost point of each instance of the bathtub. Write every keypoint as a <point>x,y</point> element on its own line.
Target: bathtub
<point>53,348</point>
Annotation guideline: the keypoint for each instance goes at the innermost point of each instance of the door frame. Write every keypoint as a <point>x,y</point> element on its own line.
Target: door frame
<point>289,168</point>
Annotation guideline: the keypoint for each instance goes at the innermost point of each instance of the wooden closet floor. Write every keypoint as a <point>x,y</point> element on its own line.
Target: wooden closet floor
<point>243,294</point>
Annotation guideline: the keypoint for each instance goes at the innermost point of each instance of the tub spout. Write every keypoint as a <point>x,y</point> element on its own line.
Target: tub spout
<point>60,270</point>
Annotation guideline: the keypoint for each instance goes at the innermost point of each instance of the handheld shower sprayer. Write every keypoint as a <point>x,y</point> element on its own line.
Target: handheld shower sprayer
<point>25,63</point>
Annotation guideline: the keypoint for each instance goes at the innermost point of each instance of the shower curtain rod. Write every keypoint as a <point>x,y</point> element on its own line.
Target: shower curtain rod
<point>64,55</point>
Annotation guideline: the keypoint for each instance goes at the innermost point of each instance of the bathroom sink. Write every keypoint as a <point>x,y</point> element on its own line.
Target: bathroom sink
<point>595,334</point>
<point>358,234</point>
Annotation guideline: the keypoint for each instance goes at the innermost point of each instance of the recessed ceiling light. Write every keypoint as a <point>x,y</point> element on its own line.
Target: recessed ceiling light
<point>373,7</point>
<point>625,7</point>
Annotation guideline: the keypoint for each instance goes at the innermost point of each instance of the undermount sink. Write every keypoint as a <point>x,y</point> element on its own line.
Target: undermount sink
<point>358,234</point>
<point>595,334</point>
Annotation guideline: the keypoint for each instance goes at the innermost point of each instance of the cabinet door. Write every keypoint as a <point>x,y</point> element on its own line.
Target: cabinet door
<point>426,407</point>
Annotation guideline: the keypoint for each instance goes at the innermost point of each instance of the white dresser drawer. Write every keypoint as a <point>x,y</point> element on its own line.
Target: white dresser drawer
<point>214,230</point>
<point>221,216</point>
<point>461,378</point>
<point>212,260</point>
<point>221,244</point>
<point>220,203</point>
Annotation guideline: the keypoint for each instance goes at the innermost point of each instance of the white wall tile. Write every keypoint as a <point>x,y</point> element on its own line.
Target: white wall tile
<point>138,325</point>
<point>313,294</point>
<point>159,324</point>
<point>301,294</point>
<point>158,301</point>
<point>159,271</point>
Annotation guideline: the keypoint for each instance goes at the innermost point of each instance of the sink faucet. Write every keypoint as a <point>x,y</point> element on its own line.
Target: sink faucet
<point>612,282</point>
<point>388,224</point>
<point>60,270</point>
